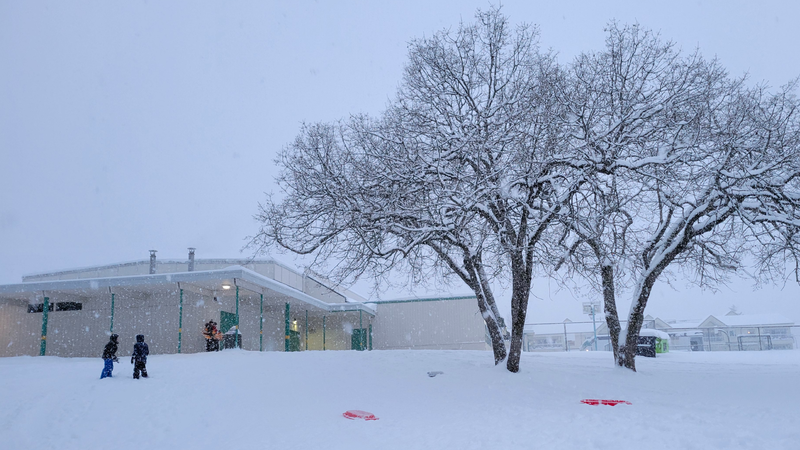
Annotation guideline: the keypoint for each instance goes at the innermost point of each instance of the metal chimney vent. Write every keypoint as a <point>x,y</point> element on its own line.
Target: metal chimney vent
<point>191,259</point>
<point>153,261</point>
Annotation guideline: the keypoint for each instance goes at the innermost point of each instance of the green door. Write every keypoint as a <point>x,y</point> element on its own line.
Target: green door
<point>294,341</point>
<point>358,340</point>
<point>226,321</point>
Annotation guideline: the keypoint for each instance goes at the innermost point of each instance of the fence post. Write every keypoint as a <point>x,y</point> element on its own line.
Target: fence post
<point>566,343</point>
<point>180,319</point>
<point>759,339</point>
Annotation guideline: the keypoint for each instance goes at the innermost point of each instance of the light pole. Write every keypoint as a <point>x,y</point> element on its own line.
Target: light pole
<point>589,308</point>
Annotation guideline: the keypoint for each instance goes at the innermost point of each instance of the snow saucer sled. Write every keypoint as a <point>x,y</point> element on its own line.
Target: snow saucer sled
<point>593,401</point>
<point>354,414</point>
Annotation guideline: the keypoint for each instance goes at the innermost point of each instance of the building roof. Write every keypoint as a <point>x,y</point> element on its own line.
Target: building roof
<point>681,324</point>
<point>237,275</point>
<point>423,299</point>
<point>158,262</point>
<point>754,320</point>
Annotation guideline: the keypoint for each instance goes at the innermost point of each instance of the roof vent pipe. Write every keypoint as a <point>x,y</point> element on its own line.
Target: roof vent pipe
<point>153,261</point>
<point>191,259</point>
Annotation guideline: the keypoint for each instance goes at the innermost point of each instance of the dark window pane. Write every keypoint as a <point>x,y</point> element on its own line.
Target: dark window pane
<point>39,307</point>
<point>69,306</point>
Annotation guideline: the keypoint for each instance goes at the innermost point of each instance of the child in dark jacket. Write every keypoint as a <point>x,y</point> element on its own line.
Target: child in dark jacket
<point>139,357</point>
<point>110,356</point>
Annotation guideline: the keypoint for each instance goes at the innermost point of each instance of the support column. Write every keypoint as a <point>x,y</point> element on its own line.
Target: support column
<point>180,321</point>
<point>323,333</point>
<point>261,326</point>
<point>286,329</point>
<point>361,337</point>
<point>236,342</point>
<point>43,346</point>
<point>111,328</point>
<point>370,337</point>
<point>306,329</point>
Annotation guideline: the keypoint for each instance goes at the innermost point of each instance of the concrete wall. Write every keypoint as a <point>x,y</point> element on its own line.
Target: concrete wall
<point>443,324</point>
<point>21,331</point>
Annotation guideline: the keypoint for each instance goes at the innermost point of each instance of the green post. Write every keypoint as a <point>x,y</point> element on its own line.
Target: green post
<point>323,332</point>
<point>261,327</point>
<point>180,322</point>
<point>370,337</point>
<point>361,337</point>
<point>236,342</point>
<point>306,329</point>
<point>46,309</point>
<point>111,329</point>
<point>286,330</point>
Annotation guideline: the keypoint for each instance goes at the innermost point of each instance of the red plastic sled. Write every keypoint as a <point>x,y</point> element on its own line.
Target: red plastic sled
<point>594,401</point>
<point>354,414</point>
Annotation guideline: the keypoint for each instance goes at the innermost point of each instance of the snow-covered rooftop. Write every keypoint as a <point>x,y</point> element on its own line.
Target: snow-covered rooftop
<point>754,319</point>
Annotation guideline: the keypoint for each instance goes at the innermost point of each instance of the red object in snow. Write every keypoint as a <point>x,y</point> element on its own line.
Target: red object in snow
<point>594,401</point>
<point>354,414</point>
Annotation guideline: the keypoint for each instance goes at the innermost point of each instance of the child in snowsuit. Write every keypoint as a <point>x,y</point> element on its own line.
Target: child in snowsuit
<point>139,357</point>
<point>110,356</point>
<point>210,333</point>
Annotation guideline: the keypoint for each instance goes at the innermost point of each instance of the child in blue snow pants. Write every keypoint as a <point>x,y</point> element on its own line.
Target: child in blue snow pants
<point>110,355</point>
<point>108,368</point>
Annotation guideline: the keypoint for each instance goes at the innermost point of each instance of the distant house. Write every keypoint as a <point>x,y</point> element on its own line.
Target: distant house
<point>731,332</point>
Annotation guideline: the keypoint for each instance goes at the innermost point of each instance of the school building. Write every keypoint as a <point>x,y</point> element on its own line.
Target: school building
<point>260,305</point>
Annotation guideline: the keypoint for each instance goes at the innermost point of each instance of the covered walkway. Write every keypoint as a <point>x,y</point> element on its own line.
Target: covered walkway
<point>75,317</point>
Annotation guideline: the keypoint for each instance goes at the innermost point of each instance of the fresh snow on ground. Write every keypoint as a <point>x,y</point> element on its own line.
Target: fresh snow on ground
<point>250,400</point>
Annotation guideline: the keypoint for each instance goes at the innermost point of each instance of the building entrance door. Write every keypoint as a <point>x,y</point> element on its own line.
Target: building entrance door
<point>358,340</point>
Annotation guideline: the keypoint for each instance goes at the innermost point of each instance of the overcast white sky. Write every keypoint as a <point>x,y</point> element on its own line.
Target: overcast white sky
<point>129,126</point>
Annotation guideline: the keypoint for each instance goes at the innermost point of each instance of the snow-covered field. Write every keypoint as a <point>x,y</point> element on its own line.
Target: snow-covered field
<point>247,400</point>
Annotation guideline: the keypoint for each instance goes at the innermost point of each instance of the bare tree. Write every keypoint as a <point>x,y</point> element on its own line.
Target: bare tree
<point>594,244</point>
<point>464,166</point>
<point>483,101</point>
<point>631,106</point>
<point>633,160</point>
<point>678,158</point>
<point>740,186</point>
<point>352,200</point>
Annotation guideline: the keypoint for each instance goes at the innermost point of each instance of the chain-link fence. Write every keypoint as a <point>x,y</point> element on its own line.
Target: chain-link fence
<point>589,336</point>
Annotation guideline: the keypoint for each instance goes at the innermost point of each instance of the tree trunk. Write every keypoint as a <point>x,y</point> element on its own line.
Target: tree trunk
<point>627,357</point>
<point>473,275</point>
<point>487,290</point>
<point>486,304</point>
<point>519,310</point>
<point>498,344</point>
<point>610,307</point>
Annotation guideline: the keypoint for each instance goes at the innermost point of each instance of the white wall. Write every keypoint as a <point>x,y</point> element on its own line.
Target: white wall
<point>443,324</point>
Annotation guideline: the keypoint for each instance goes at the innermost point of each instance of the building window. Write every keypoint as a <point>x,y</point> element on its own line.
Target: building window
<point>39,307</point>
<point>59,306</point>
<point>69,306</point>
